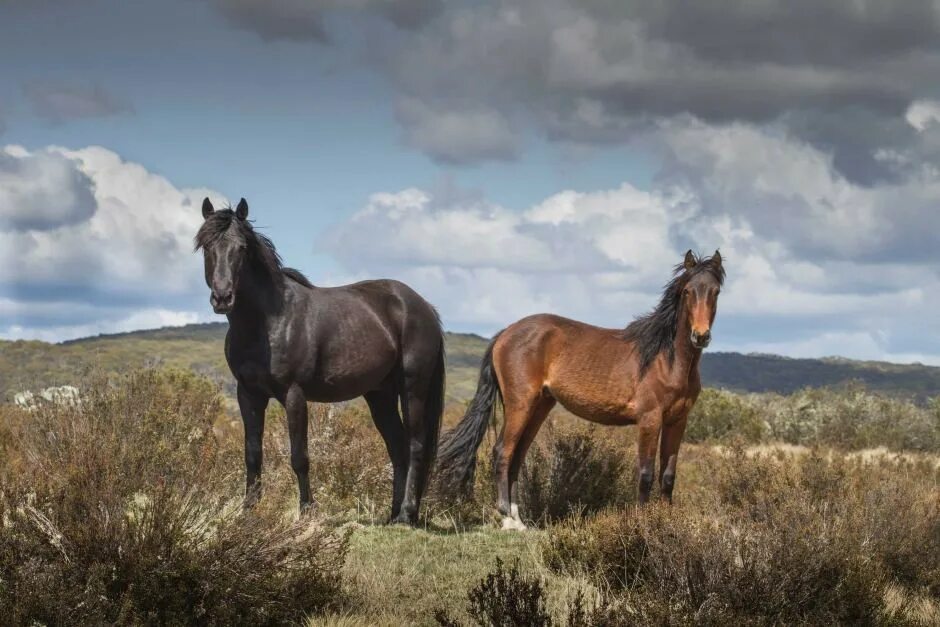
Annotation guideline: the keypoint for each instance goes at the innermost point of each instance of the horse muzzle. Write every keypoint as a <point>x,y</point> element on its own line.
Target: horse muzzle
<point>222,303</point>
<point>701,340</point>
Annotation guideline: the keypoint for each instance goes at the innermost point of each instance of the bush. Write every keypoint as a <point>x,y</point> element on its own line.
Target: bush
<point>504,599</point>
<point>793,540</point>
<point>848,418</point>
<point>126,510</point>
<point>720,416</point>
<point>573,471</point>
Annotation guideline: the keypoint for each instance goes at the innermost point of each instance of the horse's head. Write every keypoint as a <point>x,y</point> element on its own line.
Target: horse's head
<point>700,295</point>
<point>224,248</point>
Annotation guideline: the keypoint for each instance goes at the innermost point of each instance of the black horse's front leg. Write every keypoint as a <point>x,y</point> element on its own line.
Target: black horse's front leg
<point>252,407</point>
<point>296,406</point>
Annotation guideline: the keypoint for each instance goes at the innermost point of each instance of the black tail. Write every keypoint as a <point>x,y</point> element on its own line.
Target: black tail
<point>457,460</point>
<point>434,407</point>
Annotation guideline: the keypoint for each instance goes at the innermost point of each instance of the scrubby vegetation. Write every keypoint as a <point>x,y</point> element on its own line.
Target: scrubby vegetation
<point>808,539</point>
<point>124,510</point>
<point>127,509</point>
<point>848,418</point>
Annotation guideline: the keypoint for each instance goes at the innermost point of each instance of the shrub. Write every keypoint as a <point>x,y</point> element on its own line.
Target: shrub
<point>719,415</point>
<point>847,418</point>
<point>788,540</point>
<point>571,470</point>
<point>852,418</point>
<point>124,510</point>
<point>504,599</point>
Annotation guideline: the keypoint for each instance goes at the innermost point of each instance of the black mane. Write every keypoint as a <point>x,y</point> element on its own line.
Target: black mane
<point>655,332</point>
<point>260,248</point>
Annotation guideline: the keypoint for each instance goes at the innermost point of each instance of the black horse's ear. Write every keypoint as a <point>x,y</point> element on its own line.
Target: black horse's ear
<point>241,211</point>
<point>716,259</point>
<point>689,261</point>
<point>207,208</point>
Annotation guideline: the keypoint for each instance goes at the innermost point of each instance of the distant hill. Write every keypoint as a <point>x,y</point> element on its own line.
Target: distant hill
<point>34,364</point>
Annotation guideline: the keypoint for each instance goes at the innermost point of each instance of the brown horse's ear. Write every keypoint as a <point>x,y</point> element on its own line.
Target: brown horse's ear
<point>207,208</point>
<point>689,261</point>
<point>241,211</point>
<point>716,259</point>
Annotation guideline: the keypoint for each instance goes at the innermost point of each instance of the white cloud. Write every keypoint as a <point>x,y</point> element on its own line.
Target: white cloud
<point>137,238</point>
<point>923,113</point>
<point>810,255</point>
<point>85,228</point>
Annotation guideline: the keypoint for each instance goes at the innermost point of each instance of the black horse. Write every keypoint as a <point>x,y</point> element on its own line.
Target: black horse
<point>295,342</point>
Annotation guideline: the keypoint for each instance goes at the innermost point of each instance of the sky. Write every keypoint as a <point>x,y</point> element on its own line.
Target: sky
<point>502,157</point>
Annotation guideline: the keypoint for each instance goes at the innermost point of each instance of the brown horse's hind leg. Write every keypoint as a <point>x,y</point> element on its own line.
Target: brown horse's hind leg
<point>535,421</point>
<point>650,426</point>
<point>668,456</point>
<point>519,415</point>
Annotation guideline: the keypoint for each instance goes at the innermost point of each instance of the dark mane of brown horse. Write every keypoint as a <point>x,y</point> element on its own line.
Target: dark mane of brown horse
<point>655,332</point>
<point>259,246</point>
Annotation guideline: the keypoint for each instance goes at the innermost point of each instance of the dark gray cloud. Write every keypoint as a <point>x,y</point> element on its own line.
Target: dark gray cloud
<point>457,136</point>
<point>59,102</point>
<point>303,20</point>
<point>787,32</point>
<point>838,74</point>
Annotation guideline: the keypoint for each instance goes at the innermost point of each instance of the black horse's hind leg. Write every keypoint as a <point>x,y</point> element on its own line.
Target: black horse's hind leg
<point>295,405</point>
<point>384,407</point>
<point>252,407</point>
<point>419,449</point>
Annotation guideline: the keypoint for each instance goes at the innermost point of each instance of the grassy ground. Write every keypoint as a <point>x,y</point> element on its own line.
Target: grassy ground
<point>398,576</point>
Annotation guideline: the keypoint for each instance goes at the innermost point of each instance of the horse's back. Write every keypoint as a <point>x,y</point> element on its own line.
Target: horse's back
<point>400,306</point>
<point>556,334</point>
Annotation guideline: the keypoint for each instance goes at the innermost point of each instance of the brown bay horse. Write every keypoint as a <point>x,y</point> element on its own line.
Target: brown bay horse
<point>646,374</point>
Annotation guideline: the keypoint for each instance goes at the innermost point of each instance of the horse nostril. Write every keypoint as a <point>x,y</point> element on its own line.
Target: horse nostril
<point>706,337</point>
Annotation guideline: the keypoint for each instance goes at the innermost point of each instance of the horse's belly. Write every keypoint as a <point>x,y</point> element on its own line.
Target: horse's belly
<point>335,381</point>
<point>605,409</point>
<point>343,388</point>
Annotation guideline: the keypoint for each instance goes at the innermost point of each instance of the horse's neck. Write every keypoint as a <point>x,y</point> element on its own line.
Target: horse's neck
<point>685,363</point>
<point>257,303</point>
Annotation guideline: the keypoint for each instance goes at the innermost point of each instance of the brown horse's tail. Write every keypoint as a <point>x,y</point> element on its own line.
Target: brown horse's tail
<point>457,459</point>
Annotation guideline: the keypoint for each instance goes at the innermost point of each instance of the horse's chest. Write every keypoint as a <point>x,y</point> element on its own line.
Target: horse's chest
<point>251,365</point>
<point>678,407</point>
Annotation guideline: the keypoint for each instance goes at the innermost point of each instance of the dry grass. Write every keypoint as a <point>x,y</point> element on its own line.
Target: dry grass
<point>127,510</point>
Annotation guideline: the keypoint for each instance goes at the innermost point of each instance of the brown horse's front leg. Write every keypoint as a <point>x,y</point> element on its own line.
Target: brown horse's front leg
<point>647,441</point>
<point>669,455</point>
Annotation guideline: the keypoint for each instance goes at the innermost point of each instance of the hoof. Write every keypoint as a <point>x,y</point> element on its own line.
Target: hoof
<point>511,524</point>
<point>307,510</point>
<point>404,520</point>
